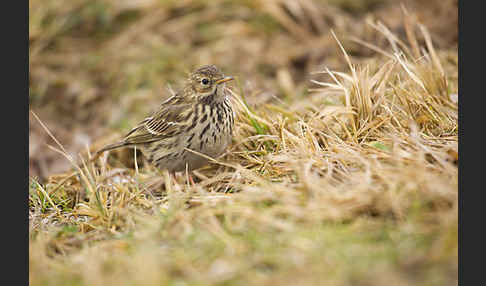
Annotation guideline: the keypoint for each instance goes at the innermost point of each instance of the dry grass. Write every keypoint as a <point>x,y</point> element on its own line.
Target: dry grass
<point>339,174</point>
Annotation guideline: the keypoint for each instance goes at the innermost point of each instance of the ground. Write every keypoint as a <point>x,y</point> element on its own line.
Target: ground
<point>342,169</point>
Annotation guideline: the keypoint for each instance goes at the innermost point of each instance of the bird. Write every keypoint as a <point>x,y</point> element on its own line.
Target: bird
<point>198,118</point>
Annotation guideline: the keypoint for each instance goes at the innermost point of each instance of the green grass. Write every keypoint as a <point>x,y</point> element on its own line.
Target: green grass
<point>213,253</point>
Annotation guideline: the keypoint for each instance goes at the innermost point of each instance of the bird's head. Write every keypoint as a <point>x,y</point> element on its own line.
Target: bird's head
<point>207,82</point>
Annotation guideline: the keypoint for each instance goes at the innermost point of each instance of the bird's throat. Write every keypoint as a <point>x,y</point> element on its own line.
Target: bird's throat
<point>215,96</point>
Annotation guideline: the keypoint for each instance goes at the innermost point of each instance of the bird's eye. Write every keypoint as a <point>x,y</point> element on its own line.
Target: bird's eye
<point>205,81</point>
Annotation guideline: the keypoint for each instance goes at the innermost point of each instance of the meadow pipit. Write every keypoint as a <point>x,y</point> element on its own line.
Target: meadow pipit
<point>199,118</point>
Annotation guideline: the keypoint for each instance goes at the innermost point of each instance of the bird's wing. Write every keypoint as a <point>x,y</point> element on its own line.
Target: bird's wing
<point>164,123</point>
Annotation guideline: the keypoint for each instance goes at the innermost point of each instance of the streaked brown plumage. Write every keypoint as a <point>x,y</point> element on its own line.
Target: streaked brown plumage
<point>199,118</point>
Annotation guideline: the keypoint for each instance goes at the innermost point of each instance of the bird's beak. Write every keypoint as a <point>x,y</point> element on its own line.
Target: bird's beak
<point>225,79</point>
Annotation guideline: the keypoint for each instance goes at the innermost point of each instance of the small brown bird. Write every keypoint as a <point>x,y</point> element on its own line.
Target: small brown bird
<point>199,118</point>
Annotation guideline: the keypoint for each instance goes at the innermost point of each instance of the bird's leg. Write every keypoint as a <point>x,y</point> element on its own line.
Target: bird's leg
<point>189,176</point>
<point>191,180</point>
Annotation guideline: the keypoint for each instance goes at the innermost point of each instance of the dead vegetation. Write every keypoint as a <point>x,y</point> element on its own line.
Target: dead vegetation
<point>343,167</point>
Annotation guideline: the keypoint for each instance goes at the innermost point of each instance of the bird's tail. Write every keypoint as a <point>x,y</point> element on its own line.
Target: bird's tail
<point>109,147</point>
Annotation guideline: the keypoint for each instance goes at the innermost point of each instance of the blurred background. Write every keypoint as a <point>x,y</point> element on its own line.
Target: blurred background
<point>96,68</point>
